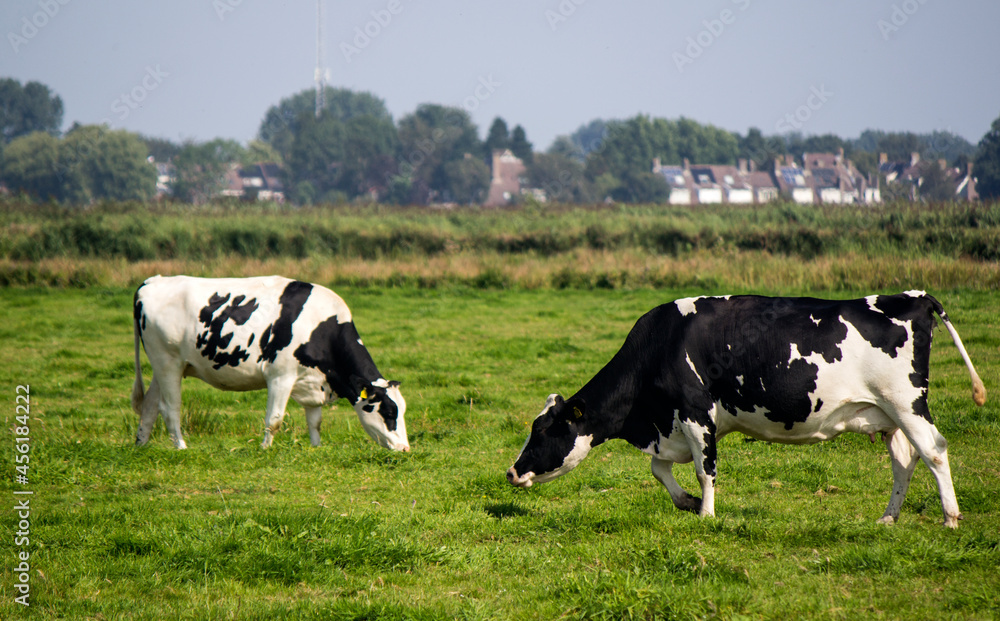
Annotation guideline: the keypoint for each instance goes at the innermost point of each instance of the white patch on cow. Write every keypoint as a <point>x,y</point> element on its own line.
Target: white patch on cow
<point>814,320</point>
<point>915,293</point>
<point>872,299</point>
<point>852,390</point>
<point>739,378</point>
<point>686,305</point>
<point>691,364</point>
<point>360,343</point>
<point>380,382</point>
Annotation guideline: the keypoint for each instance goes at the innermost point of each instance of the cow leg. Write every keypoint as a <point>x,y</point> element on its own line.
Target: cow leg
<point>904,462</point>
<point>663,470</point>
<point>150,408</point>
<point>278,392</point>
<point>170,406</point>
<point>700,433</point>
<point>933,450</point>
<point>313,417</point>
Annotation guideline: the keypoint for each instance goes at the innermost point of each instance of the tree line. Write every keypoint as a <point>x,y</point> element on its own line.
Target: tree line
<point>354,151</point>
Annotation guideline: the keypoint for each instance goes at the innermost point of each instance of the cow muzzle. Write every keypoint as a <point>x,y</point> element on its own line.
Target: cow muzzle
<point>519,481</point>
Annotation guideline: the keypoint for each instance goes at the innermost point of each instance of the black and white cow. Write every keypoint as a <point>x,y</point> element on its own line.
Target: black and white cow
<point>790,370</point>
<point>293,338</point>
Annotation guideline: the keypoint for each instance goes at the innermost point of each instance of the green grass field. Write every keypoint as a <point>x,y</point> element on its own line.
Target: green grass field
<point>226,530</point>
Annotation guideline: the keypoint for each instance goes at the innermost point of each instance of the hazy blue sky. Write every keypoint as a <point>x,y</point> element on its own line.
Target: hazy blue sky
<point>200,69</point>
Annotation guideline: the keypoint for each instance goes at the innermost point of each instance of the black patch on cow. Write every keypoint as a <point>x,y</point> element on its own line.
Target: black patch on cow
<point>211,342</point>
<point>333,349</point>
<point>742,350</point>
<point>709,454</point>
<point>137,315</point>
<point>877,327</point>
<point>278,335</point>
<point>553,436</point>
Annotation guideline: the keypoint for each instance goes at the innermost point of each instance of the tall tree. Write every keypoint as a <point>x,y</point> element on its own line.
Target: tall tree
<point>468,179</point>
<point>281,122</point>
<point>350,157</point>
<point>29,108</point>
<point>520,146</point>
<point>430,138</point>
<point>31,165</point>
<point>497,138</point>
<point>105,164</point>
<point>200,168</point>
<point>986,166</point>
<point>91,163</point>
<point>561,177</point>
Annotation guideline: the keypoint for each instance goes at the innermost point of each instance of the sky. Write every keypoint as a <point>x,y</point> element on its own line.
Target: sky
<point>204,69</point>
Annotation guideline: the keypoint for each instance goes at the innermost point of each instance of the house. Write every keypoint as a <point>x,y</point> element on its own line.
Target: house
<point>911,174</point>
<point>711,183</point>
<point>835,180</point>
<point>507,178</point>
<point>257,181</point>
<point>165,176</point>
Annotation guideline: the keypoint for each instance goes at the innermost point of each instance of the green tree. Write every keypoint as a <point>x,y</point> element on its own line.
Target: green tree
<point>520,146</point>
<point>99,163</point>
<point>430,138</point>
<point>498,137</point>
<point>899,146</point>
<point>161,149</point>
<point>27,109</point>
<point>31,165</point>
<point>586,139</point>
<point>561,177</point>
<point>467,180</point>
<point>351,157</point>
<point>282,122</point>
<point>758,149</point>
<point>986,166</point>
<point>200,168</point>
<point>934,183</point>
<point>91,163</point>
<point>260,152</point>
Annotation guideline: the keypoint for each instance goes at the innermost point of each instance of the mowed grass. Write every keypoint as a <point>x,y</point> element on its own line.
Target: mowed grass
<point>350,531</point>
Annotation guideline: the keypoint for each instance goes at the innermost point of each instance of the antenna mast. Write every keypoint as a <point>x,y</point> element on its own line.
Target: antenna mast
<point>321,73</point>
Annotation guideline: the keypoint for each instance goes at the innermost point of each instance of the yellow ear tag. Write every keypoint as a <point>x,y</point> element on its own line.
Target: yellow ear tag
<point>364,393</point>
<point>577,413</point>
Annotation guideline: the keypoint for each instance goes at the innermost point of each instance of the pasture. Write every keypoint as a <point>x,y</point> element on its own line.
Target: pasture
<point>351,531</point>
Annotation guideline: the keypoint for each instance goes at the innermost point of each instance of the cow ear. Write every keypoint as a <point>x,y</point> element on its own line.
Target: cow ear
<point>575,409</point>
<point>393,384</point>
<point>361,387</point>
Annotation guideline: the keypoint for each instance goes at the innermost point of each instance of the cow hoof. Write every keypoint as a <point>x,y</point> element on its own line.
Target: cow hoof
<point>690,503</point>
<point>886,519</point>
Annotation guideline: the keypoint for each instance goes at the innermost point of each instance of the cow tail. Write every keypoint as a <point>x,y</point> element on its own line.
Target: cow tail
<point>138,389</point>
<point>978,390</point>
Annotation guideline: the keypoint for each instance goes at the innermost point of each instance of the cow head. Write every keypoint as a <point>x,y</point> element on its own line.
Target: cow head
<point>380,407</point>
<point>558,442</point>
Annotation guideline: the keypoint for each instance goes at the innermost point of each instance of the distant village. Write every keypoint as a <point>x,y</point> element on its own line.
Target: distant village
<point>815,178</point>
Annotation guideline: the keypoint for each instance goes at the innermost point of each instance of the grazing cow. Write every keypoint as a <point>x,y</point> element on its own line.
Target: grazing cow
<point>291,337</point>
<point>790,370</point>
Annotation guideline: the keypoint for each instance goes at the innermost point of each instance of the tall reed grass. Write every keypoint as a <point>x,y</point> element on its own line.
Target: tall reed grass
<point>774,246</point>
